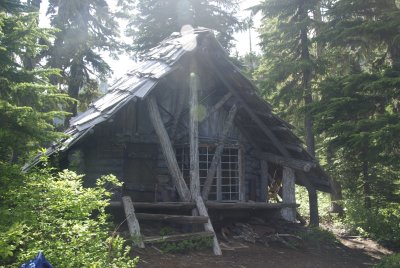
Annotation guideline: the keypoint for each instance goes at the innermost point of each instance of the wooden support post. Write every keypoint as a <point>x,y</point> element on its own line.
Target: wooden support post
<point>264,181</point>
<point>194,131</point>
<point>167,149</point>
<point>133,224</point>
<point>208,226</point>
<point>218,152</point>
<point>312,200</point>
<point>288,194</point>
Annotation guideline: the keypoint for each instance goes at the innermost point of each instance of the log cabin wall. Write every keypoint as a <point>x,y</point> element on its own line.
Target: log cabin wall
<point>127,146</point>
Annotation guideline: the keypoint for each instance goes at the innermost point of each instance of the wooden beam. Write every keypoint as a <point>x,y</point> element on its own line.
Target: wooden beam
<point>208,226</point>
<point>177,237</point>
<point>167,149</point>
<point>218,152</point>
<point>172,218</point>
<point>250,112</point>
<point>133,224</point>
<point>288,194</point>
<point>194,130</point>
<point>210,205</point>
<point>210,111</point>
<point>288,162</point>
<point>264,181</point>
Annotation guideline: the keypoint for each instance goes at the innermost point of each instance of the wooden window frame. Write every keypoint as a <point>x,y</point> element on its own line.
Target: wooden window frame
<point>218,184</point>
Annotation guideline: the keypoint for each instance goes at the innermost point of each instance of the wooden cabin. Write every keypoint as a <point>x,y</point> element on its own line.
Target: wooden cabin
<point>185,123</point>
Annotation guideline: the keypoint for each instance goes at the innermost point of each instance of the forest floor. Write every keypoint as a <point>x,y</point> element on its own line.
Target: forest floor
<point>347,251</point>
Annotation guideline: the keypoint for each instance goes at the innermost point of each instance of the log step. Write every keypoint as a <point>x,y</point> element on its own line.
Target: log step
<point>177,237</point>
<point>172,218</point>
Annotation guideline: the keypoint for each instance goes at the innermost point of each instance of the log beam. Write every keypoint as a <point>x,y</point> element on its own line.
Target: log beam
<point>264,181</point>
<point>288,162</point>
<point>133,224</point>
<point>288,194</point>
<point>194,131</point>
<point>167,149</point>
<point>208,226</point>
<point>218,152</point>
<point>172,218</point>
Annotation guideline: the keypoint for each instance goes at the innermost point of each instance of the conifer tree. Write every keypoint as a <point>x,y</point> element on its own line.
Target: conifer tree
<point>86,27</point>
<point>359,112</point>
<point>157,19</point>
<point>28,103</point>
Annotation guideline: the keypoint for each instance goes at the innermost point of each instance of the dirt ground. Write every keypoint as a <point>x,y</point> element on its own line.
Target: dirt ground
<point>350,252</point>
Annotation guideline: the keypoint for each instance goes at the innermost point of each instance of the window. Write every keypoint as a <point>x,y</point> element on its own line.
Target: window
<point>226,184</point>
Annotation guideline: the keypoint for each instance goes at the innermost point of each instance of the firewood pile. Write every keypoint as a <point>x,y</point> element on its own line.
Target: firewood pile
<point>261,234</point>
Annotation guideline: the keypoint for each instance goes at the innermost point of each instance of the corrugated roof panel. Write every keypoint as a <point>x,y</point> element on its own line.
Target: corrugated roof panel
<point>145,88</point>
<point>110,99</point>
<point>87,118</point>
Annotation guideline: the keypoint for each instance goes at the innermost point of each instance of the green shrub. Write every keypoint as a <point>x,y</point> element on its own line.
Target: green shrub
<point>391,261</point>
<point>54,213</point>
<point>317,236</point>
<point>380,223</point>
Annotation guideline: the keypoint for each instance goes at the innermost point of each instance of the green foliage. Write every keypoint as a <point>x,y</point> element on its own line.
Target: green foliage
<point>86,27</point>
<point>187,245</point>
<point>157,19</point>
<point>28,103</point>
<point>323,204</point>
<point>391,261</point>
<point>380,223</point>
<point>319,236</point>
<point>55,214</point>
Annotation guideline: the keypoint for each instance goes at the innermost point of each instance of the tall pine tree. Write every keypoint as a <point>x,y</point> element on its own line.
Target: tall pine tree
<point>28,103</point>
<point>86,27</point>
<point>157,19</point>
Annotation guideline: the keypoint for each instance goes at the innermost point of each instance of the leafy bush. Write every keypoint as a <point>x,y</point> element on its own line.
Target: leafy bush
<point>390,261</point>
<point>317,236</point>
<point>56,214</point>
<point>380,223</point>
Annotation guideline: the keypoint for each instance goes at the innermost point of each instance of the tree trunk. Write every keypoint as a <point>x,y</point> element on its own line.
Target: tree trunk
<point>366,184</point>
<point>306,80</point>
<point>336,195</point>
<point>194,131</point>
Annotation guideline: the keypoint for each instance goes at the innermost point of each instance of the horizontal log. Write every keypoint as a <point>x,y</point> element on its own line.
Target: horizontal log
<point>212,205</point>
<point>177,237</point>
<point>158,205</point>
<point>288,162</point>
<point>172,218</point>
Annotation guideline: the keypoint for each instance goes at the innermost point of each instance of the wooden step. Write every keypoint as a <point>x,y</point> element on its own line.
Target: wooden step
<point>172,218</point>
<point>177,237</point>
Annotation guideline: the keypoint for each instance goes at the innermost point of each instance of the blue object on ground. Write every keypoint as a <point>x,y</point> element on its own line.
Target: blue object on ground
<point>38,262</point>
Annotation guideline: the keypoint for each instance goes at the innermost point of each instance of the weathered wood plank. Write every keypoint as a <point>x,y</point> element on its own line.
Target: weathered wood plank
<point>133,224</point>
<point>175,238</point>
<point>288,162</point>
<point>167,149</point>
<point>218,152</point>
<point>194,130</point>
<point>208,226</point>
<point>210,205</point>
<point>288,194</point>
<point>210,111</point>
<point>172,218</point>
<point>264,180</point>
